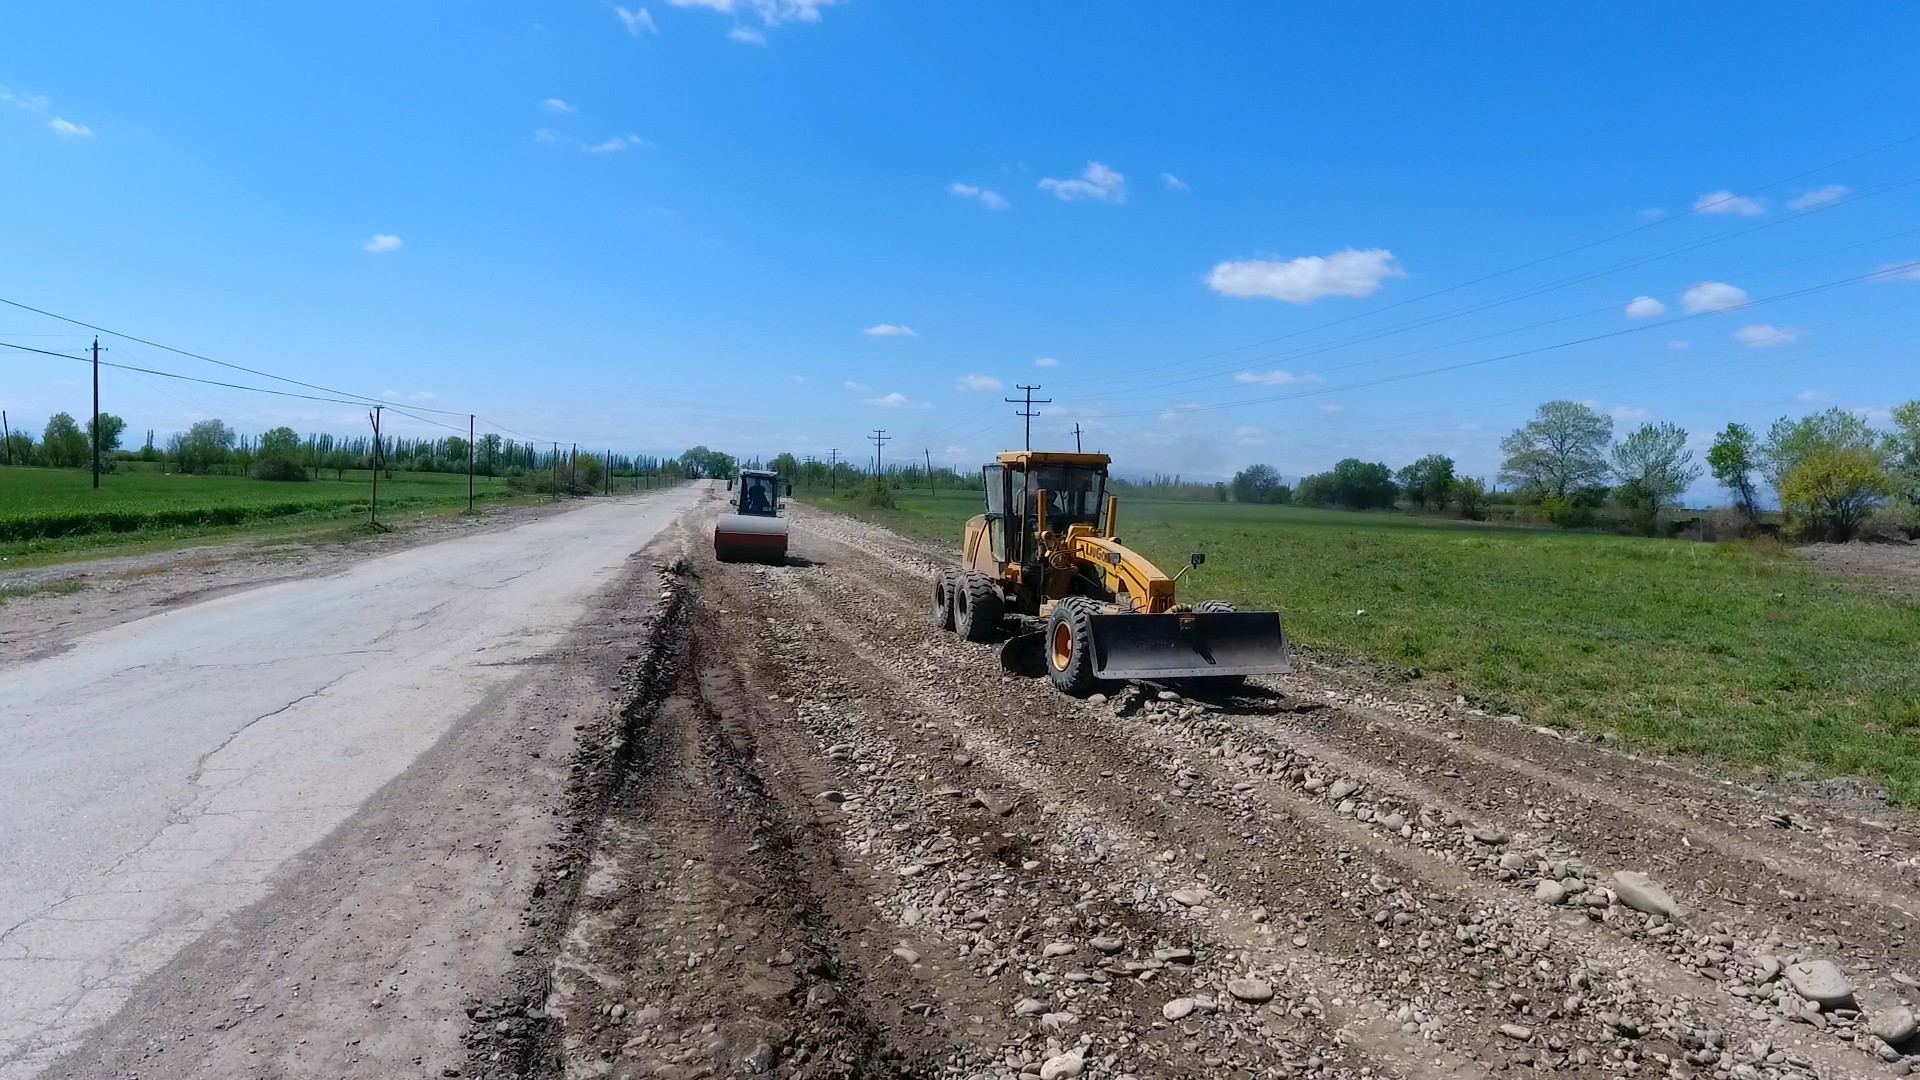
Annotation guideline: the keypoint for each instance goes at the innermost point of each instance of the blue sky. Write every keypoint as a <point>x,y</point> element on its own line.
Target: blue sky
<point>663,223</point>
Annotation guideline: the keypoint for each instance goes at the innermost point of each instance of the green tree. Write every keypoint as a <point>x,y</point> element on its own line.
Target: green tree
<point>1563,448</point>
<point>1427,482</point>
<point>787,466</point>
<point>1470,495</point>
<point>20,449</point>
<point>204,445</point>
<point>63,445</point>
<point>1353,484</point>
<point>1832,490</point>
<point>1734,456</point>
<point>1790,442</point>
<point>1653,466</point>
<point>111,428</point>
<point>1257,484</point>
<point>281,440</point>
<point>1902,449</point>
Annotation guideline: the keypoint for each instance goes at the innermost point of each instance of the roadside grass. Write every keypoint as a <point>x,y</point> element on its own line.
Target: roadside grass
<point>1742,653</point>
<point>51,588</point>
<point>51,515</point>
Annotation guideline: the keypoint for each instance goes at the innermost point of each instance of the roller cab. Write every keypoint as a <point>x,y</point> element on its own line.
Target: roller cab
<point>755,531</point>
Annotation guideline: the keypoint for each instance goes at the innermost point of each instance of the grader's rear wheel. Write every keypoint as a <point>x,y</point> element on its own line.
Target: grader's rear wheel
<point>943,600</point>
<point>977,606</point>
<point>1069,646</point>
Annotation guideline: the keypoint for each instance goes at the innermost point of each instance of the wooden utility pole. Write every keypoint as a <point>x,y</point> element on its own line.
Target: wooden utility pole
<point>833,470</point>
<point>1030,401</point>
<point>6,436</point>
<point>469,463</point>
<point>96,413</point>
<point>878,437</point>
<point>609,470</point>
<point>1076,437</point>
<point>556,471</point>
<point>929,452</point>
<point>373,505</point>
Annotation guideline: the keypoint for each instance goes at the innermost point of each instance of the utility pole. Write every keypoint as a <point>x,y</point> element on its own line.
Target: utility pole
<point>929,452</point>
<point>556,472</point>
<point>469,463</point>
<point>1076,437</point>
<point>833,469</point>
<point>96,413</point>
<point>573,460</point>
<point>878,437</point>
<point>6,436</point>
<point>1028,412</point>
<point>373,506</point>
<point>609,477</point>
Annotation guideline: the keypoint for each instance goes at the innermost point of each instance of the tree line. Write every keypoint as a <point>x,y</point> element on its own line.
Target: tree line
<point>1833,475</point>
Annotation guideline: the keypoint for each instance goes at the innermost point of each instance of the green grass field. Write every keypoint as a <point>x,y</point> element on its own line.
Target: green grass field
<point>1728,651</point>
<point>44,511</point>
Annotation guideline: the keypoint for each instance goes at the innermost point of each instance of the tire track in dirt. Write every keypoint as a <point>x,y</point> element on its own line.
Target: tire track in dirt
<point>1501,871</point>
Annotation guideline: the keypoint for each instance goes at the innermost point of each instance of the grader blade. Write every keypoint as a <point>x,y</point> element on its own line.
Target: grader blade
<point>1189,645</point>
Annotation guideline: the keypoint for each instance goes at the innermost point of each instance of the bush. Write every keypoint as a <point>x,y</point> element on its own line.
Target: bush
<point>1567,513</point>
<point>874,494</point>
<point>1901,521</point>
<point>1726,523</point>
<point>278,467</point>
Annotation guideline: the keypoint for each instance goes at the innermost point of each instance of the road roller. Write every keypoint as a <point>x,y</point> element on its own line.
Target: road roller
<point>755,531</point>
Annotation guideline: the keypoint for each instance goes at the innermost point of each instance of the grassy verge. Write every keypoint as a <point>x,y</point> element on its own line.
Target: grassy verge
<point>1734,652</point>
<point>54,515</point>
<point>54,588</point>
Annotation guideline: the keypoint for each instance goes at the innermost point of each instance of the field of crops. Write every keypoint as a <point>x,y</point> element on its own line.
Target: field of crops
<point>40,505</point>
<point>1730,651</point>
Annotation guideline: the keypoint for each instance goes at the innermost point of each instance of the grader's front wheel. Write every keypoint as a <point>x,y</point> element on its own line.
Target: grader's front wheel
<point>1069,646</point>
<point>943,600</point>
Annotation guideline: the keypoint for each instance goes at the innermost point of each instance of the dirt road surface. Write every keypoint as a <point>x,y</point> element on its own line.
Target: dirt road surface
<point>840,843</point>
<point>305,799</point>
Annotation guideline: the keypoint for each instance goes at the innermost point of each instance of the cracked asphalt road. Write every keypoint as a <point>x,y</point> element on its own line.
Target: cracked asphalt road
<point>159,773</point>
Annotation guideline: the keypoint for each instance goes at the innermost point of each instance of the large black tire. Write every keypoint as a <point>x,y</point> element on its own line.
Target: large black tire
<point>1069,646</point>
<point>977,606</point>
<point>943,600</point>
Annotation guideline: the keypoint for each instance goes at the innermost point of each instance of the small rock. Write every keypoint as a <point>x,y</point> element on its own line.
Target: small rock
<point>1107,945</point>
<point>1177,1009</point>
<point>1062,1066</point>
<point>995,805</point>
<point>1096,699</point>
<point>907,954</point>
<point>1342,788</point>
<point>1030,1007</point>
<point>1893,1026</point>
<point>1820,982</point>
<point>1516,1031</point>
<point>1057,948</point>
<point>1190,897</point>
<point>1550,892</point>
<point>1252,991</point>
<point>1639,892</point>
<point>760,1059</point>
<point>1487,834</point>
<point>834,796</point>
<point>1168,695</point>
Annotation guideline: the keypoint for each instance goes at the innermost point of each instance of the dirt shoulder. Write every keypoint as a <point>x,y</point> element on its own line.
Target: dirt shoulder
<point>1892,566</point>
<point>54,604</point>
<point>848,844</point>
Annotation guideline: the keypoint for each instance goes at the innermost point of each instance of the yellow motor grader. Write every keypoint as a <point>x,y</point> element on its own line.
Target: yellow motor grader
<point>1047,556</point>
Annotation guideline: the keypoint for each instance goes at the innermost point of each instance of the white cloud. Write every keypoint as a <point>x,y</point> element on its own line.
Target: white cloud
<point>1821,196</point>
<point>1766,335</point>
<point>556,105</point>
<point>858,387</point>
<point>971,381</point>
<point>546,136</point>
<point>381,243</point>
<point>895,400</point>
<point>1726,202</point>
<point>1045,361</point>
<point>889,330</point>
<point>769,12</point>
<point>1304,280</point>
<point>636,21</point>
<point>617,144</point>
<point>1645,307</point>
<point>1332,407</point>
<point>1250,436</point>
<point>1096,182</point>
<point>747,35</point>
<point>1273,378</point>
<point>1678,345</point>
<point>1629,413</point>
<point>1906,271</point>
<point>1814,397</point>
<point>29,102</point>
<point>1173,182</point>
<point>992,200</point>
<point>1713,296</point>
<point>67,129</point>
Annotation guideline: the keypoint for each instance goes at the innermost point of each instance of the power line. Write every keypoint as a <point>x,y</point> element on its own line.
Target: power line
<point>1403,376</point>
<point>1028,412</point>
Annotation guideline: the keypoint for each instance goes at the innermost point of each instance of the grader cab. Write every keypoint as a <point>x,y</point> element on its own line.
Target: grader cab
<point>1047,555</point>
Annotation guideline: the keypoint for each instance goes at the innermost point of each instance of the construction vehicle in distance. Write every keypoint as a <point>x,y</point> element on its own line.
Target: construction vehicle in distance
<point>755,531</point>
<point>1047,555</point>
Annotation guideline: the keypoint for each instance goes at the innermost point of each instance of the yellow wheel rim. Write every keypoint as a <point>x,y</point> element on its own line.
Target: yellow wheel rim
<point>1062,646</point>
